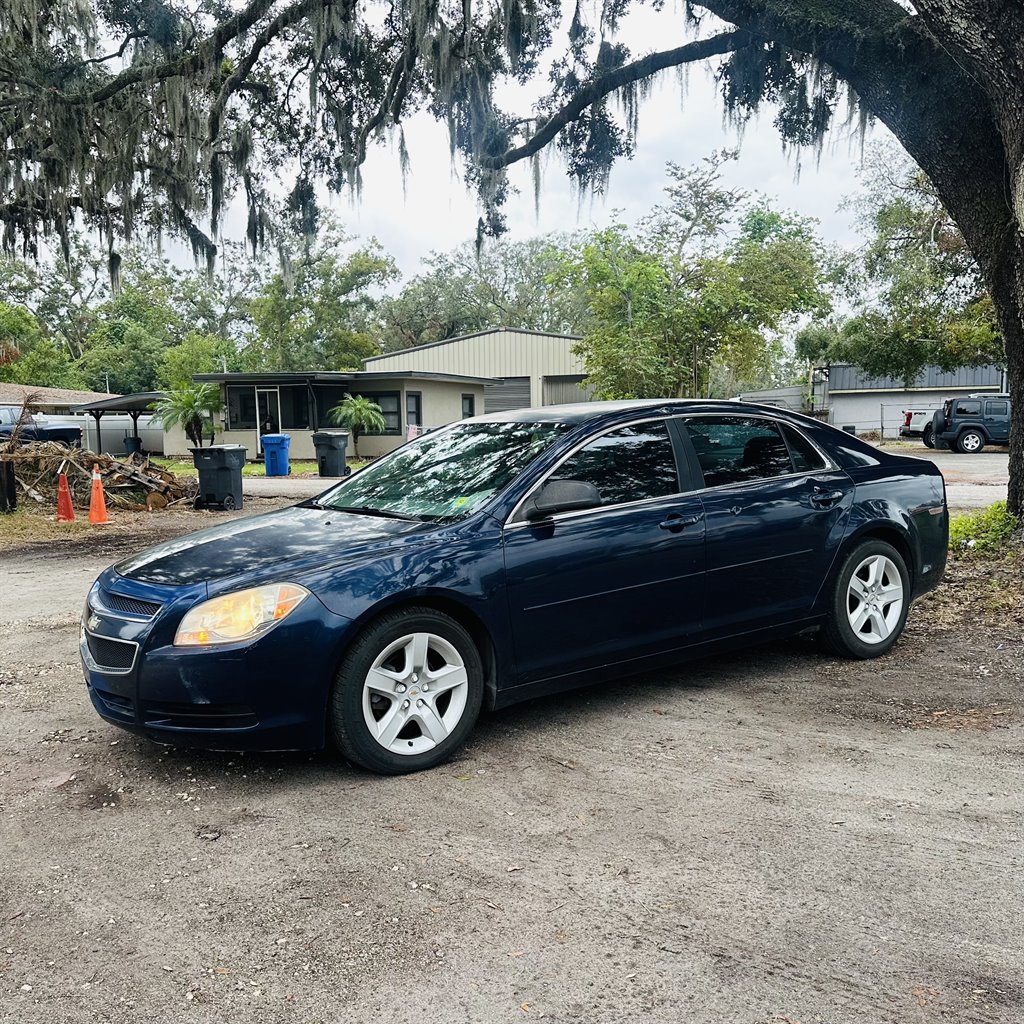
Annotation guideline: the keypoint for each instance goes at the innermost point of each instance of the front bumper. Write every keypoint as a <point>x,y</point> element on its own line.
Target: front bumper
<point>270,694</point>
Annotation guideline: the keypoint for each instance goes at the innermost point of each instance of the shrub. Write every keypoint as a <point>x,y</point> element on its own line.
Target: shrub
<point>986,532</point>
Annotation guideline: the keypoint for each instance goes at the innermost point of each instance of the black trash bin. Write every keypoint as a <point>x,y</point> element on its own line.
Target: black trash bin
<point>132,445</point>
<point>220,475</point>
<point>330,448</point>
<point>8,491</point>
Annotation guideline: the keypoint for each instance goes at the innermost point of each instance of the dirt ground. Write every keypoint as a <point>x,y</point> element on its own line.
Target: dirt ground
<point>776,836</point>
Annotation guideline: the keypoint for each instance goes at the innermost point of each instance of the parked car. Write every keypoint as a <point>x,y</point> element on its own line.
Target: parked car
<point>508,556</point>
<point>918,423</point>
<point>35,429</point>
<point>967,424</point>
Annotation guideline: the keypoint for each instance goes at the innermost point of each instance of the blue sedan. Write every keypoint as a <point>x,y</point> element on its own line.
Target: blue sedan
<point>509,556</point>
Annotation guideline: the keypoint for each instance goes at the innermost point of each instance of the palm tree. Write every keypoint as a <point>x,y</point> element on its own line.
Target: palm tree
<point>358,414</point>
<point>190,407</point>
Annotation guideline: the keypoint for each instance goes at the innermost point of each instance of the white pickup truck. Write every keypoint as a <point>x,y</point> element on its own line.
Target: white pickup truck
<point>918,423</point>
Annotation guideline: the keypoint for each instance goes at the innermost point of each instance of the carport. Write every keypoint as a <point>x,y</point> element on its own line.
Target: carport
<point>135,405</point>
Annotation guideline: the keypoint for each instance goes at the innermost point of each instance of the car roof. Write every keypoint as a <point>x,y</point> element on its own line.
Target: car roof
<point>581,412</point>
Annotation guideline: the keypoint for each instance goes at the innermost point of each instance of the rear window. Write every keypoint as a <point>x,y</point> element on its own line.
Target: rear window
<point>968,407</point>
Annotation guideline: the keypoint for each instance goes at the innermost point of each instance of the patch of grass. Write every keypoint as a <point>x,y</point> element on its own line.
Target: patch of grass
<point>27,524</point>
<point>249,469</point>
<point>987,532</point>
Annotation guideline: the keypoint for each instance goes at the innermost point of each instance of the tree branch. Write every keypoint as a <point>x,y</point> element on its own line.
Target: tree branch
<point>606,84</point>
<point>286,18</point>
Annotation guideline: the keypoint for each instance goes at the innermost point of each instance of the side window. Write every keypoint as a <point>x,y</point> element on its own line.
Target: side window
<point>997,409</point>
<point>628,464</point>
<point>967,408</point>
<point>806,458</point>
<point>731,449</point>
<point>6,417</point>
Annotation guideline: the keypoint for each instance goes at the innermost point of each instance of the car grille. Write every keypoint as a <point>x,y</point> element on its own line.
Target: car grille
<point>111,655</point>
<point>198,716</point>
<point>114,705</point>
<point>131,605</point>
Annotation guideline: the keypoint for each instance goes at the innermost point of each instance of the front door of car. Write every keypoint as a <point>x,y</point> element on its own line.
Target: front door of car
<point>775,513</point>
<point>613,583</point>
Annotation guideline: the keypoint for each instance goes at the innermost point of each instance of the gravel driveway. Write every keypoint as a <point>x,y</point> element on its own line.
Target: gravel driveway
<point>775,836</point>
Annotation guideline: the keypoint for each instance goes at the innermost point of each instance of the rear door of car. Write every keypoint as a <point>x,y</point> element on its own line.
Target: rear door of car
<point>997,420</point>
<point>622,581</point>
<point>775,509</point>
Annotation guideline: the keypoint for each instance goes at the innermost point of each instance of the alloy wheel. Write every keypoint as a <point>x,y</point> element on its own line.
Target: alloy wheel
<point>874,600</point>
<point>415,693</point>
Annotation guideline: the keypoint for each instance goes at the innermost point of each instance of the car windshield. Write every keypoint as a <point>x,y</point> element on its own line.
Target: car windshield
<point>444,475</point>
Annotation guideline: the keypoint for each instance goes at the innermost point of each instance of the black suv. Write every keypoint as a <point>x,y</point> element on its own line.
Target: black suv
<point>968,424</point>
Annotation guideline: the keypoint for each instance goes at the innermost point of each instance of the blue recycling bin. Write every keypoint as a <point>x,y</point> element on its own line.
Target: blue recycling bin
<point>275,453</point>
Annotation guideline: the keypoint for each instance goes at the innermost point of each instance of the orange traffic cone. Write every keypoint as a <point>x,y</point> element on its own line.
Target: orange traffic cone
<point>65,510</point>
<point>97,503</point>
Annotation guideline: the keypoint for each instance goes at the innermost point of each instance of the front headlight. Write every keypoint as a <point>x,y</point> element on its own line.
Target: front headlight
<point>243,615</point>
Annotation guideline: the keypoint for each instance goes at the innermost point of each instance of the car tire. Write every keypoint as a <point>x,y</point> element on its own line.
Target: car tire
<point>385,714</point>
<point>970,442</point>
<point>928,436</point>
<point>869,602</point>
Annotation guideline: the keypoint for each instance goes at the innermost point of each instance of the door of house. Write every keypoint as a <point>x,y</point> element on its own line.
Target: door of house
<point>268,413</point>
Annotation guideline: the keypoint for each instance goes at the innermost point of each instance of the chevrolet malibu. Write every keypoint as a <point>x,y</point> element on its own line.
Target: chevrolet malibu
<point>505,557</point>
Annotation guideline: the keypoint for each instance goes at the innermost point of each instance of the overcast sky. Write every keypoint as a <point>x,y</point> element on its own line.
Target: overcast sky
<point>679,122</point>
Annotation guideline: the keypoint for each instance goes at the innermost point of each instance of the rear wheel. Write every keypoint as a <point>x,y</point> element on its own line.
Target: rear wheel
<point>928,436</point>
<point>408,692</point>
<point>970,441</point>
<point>870,601</point>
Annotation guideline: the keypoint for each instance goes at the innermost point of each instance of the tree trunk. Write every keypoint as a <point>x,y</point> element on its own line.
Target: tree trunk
<point>1007,286</point>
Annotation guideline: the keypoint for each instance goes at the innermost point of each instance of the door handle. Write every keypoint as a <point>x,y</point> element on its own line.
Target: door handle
<point>675,522</point>
<point>825,499</point>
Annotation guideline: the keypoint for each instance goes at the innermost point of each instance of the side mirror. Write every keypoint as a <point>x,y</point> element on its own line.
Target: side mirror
<point>561,496</point>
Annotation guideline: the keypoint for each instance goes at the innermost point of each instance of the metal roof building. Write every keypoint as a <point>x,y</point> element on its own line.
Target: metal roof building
<point>536,368</point>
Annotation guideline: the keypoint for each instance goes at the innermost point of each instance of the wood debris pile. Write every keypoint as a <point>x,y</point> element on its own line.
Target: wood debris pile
<point>132,483</point>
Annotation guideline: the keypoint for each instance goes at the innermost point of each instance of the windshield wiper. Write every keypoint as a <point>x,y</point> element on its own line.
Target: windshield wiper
<point>367,510</point>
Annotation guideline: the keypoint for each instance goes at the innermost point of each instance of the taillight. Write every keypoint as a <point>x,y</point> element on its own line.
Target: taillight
<point>906,418</point>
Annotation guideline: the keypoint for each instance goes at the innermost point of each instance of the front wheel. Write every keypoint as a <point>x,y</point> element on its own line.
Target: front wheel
<point>870,601</point>
<point>928,436</point>
<point>408,692</point>
<point>970,441</point>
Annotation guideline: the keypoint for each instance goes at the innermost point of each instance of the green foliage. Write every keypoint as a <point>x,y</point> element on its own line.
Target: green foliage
<point>123,354</point>
<point>676,300</point>
<point>197,353</point>
<point>192,408</point>
<point>46,366</point>
<point>358,415</point>
<point>916,290</point>
<point>504,284</point>
<point>983,533</point>
<point>319,314</point>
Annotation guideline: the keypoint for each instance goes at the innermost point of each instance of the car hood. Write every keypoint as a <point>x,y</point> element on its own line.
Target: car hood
<point>290,539</point>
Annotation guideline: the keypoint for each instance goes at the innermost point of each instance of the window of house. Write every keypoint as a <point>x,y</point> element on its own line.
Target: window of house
<point>468,406</point>
<point>732,449</point>
<point>629,464</point>
<point>390,406</point>
<point>413,409</point>
<point>294,408</point>
<point>241,407</point>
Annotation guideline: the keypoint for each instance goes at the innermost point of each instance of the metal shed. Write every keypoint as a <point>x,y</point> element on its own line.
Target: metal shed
<point>536,368</point>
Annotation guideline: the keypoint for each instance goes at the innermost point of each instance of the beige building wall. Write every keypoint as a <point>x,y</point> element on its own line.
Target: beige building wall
<point>441,403</point>
<point>499,353</point>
